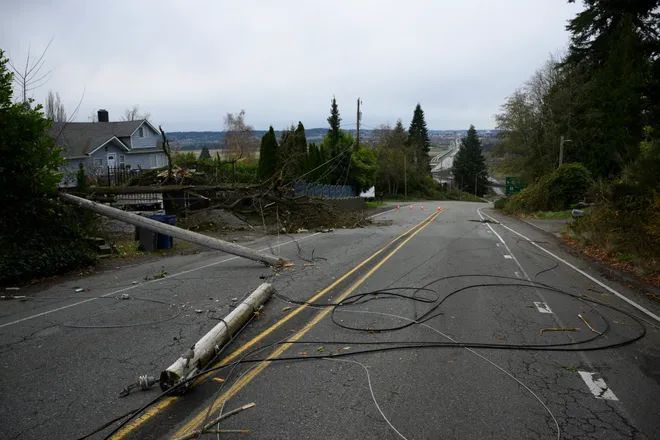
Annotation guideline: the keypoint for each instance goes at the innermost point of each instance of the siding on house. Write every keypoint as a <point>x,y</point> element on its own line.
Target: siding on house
<point>149,140</point>
<point>126,140</point>
<point>147,161</point>
<point>100,157</point>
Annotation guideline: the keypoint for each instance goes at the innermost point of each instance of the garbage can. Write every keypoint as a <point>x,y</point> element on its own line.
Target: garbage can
<point>148,239</point>
<point>164,241</point>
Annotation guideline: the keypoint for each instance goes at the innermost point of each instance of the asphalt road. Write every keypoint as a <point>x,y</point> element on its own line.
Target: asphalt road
<point>61,377</point>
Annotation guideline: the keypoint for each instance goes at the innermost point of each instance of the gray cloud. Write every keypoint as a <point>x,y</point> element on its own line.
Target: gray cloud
<point>189,63</point>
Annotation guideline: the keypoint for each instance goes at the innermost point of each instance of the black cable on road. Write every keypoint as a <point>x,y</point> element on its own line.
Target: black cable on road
<point>383,346</point>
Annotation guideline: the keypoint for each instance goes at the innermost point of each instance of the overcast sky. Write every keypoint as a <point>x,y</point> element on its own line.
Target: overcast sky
<point>190,62</point>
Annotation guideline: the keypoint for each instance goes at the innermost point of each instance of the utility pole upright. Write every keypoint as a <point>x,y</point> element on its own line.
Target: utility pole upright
<point>562,141</point>
<point>359,116</point>
<point>405,179</point>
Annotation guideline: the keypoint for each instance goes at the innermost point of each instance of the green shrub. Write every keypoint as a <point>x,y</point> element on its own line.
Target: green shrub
<point>535,197</point>
<point>501,203</point>
<point>456,194</point>
<point>185,160</point>
<point>47,238</point>
<point>568,184</point>
<point>39,235</point>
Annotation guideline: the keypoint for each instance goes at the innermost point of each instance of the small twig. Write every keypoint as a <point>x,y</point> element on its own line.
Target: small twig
<point>228,431</point>
<point>559,329</point>
<point>590,327</point>
<point>194,434</point>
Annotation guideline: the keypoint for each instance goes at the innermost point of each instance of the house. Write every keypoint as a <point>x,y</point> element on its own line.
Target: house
<point>103,147</point>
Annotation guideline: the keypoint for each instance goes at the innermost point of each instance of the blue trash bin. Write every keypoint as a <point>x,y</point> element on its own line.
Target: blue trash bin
<point>165,241</point>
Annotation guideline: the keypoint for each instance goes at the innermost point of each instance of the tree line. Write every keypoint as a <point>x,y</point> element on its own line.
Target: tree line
<point>599,95</point>
<point>394,160</point>
<point>338,159</point>
<point>597,107</point>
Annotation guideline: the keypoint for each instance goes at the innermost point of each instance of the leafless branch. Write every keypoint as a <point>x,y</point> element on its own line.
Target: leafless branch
<point>26,78</point>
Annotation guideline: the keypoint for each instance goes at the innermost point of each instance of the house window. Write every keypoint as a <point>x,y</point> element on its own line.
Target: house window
<point>153,160</point>
<point>122,160</point>
<point>141,132</point>
<point>98,163</point>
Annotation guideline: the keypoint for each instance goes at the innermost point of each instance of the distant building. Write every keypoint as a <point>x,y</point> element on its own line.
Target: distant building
<point>105,146</point>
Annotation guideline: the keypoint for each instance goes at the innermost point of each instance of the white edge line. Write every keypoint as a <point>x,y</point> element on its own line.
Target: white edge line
<point>583,273</point>
<point>511,254</point>
<point>48,312</point>
<point>381,213</point>
<point>597,387</point>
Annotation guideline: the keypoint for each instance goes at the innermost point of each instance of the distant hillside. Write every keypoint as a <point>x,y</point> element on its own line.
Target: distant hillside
<point>195,140</point>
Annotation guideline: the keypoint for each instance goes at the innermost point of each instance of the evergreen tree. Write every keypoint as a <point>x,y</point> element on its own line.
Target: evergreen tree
<point>324,157</point>
<point>418,137</point>
<point>284,147</point>
<point>205,154</point>
<point>470,163</point>
<point>339,156</point>
<point>268,160</point>
<point>399,129</point>
<point>615,45</point>
<point>334,120</point>
<point>313,159</point>
<point>300,154</point>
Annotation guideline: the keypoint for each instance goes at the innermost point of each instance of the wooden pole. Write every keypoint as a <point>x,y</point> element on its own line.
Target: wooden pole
<point>165,229</point>
<point>167,188</point>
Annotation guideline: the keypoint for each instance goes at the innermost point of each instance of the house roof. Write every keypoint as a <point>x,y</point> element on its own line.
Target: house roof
<point>81,138</point>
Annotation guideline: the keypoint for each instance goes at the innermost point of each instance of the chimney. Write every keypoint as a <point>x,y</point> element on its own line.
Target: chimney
<point>103,116</point>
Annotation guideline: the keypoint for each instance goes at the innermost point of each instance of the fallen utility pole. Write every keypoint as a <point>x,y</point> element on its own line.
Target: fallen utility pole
<point>206,348</point>
<point>166,189</point>
<point>174,231</point>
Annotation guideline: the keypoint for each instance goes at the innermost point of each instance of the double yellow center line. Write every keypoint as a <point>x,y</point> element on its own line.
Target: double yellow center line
<point>255,371</point>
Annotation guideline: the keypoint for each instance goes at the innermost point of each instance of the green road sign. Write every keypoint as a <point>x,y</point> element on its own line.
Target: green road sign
<point>513,186</point>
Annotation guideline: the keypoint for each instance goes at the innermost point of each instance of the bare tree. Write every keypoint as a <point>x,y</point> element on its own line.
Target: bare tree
<point>54,107</point>
<point>239,137</point>
<point>29,78</point>
<point>93,116</point>
<point>135,114</point>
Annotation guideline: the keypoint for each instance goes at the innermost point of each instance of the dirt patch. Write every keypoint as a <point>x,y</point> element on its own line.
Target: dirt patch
<point>602,256</point>
<point>215,220</point>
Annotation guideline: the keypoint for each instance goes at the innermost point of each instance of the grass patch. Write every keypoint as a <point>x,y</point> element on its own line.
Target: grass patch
<point>625,257</point>
<point>130,249</point>
<point>550,215</point>
<point>375,204</point>
<point>127,249</point>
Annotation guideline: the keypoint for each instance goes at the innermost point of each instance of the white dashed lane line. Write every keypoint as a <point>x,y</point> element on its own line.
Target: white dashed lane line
<point>598,387</point>
<point>543,307</point>
<point>581,272</point>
